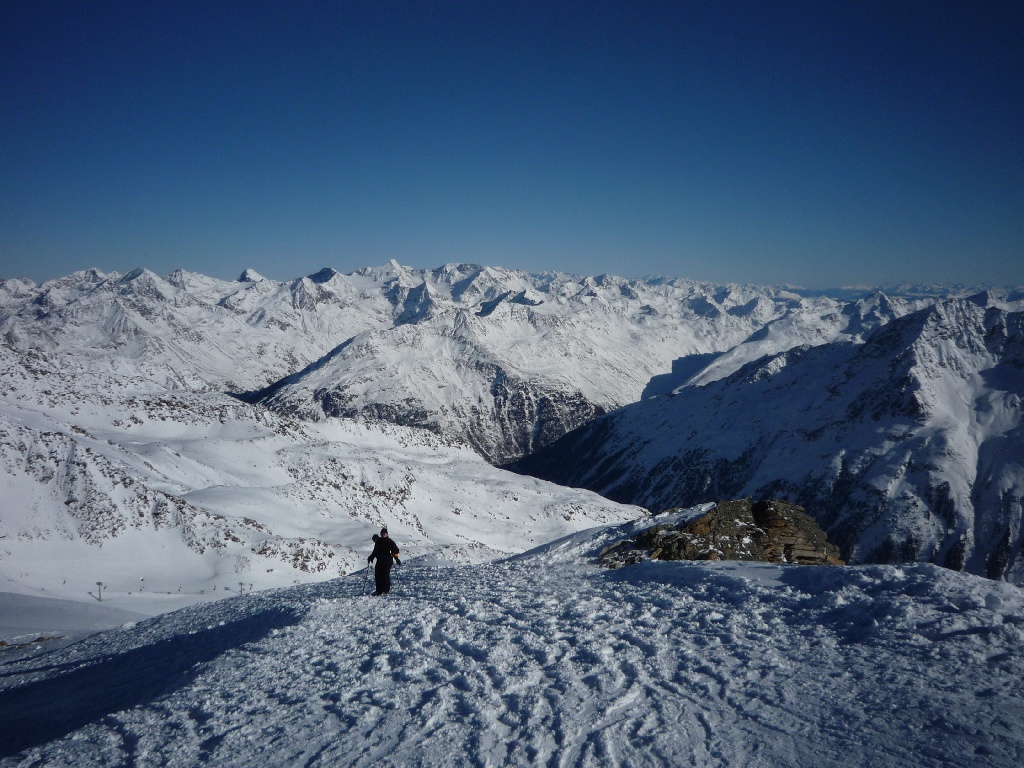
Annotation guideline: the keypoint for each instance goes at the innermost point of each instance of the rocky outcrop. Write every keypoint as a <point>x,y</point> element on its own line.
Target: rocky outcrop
<point>768,531</point>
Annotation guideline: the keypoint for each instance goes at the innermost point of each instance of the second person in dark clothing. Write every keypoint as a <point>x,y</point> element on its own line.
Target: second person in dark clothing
<point>385,552</point>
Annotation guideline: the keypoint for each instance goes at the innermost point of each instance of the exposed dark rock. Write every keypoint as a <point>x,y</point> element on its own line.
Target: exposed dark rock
<point>768,531</point>
<point>325,275</point>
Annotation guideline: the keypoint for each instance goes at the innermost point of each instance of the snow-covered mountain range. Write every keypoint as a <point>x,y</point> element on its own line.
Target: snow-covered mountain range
<point>907,447</point>
<point>171,437</point>
<point>501,360</point>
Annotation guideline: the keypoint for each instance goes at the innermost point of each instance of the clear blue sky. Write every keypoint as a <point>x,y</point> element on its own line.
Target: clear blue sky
<point>814,143</point>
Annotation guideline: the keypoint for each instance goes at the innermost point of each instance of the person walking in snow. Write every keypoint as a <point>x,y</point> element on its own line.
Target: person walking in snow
<point>385,552</point>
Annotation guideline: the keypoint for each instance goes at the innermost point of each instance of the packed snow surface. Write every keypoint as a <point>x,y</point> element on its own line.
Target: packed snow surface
<point>544,659</point>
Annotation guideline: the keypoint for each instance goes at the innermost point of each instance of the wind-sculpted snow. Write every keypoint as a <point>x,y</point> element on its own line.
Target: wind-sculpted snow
<point>547,661</point>
<point>908,447</point>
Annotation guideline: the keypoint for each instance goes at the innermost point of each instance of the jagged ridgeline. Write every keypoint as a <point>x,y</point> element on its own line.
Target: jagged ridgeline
<point>501,360</point>
<point>508,362</point>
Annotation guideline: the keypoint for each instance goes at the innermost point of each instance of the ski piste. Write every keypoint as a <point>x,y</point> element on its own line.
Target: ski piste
<point>547,660</point>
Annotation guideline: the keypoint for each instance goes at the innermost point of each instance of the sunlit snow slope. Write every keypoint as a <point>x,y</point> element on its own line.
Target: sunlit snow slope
<point>907,447</point>
<point>169,497</point>
<point>544,660</point>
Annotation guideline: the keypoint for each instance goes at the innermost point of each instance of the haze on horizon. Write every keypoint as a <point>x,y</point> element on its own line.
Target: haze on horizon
<point>798,143</point>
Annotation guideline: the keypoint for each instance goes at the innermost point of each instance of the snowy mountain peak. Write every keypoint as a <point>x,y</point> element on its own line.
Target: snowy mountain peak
<point>250,276</point>
<point>872,413</point>
<point>139,273</point>
<point>325,275</point>
<point>391,272</point>
<point>15,290</point>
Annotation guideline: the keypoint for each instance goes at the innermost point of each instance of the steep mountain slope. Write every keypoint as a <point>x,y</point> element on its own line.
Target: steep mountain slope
<point>545,661</point>
<point>908,447</point>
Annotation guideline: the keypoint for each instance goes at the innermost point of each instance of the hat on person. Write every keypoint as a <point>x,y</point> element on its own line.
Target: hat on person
<point>384,531</point>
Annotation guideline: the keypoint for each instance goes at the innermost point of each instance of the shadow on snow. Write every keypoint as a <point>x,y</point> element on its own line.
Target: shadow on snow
<point>38,712</point>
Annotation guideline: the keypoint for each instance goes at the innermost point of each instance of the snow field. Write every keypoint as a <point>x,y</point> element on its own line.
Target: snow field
<point>545,663</point>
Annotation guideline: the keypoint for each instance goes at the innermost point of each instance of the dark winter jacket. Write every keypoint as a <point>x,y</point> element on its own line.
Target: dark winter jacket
<point>383,551</point>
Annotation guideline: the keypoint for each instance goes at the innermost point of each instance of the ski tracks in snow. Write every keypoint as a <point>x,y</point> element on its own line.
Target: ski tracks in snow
<point>564,665</point>
<point>520,666</point>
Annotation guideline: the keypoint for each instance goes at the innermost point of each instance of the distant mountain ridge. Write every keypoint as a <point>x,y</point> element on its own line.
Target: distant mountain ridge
<point>508,362</point>
<point>502,360</point>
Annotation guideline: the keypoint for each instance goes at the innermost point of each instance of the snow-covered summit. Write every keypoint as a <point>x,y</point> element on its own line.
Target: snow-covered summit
<point>250,276</point>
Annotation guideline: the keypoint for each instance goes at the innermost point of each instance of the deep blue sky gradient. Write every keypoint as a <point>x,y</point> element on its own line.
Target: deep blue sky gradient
<point>812,143</point>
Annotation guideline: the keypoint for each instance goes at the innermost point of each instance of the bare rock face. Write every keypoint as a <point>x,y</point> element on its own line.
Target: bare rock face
<point>768,531</point>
